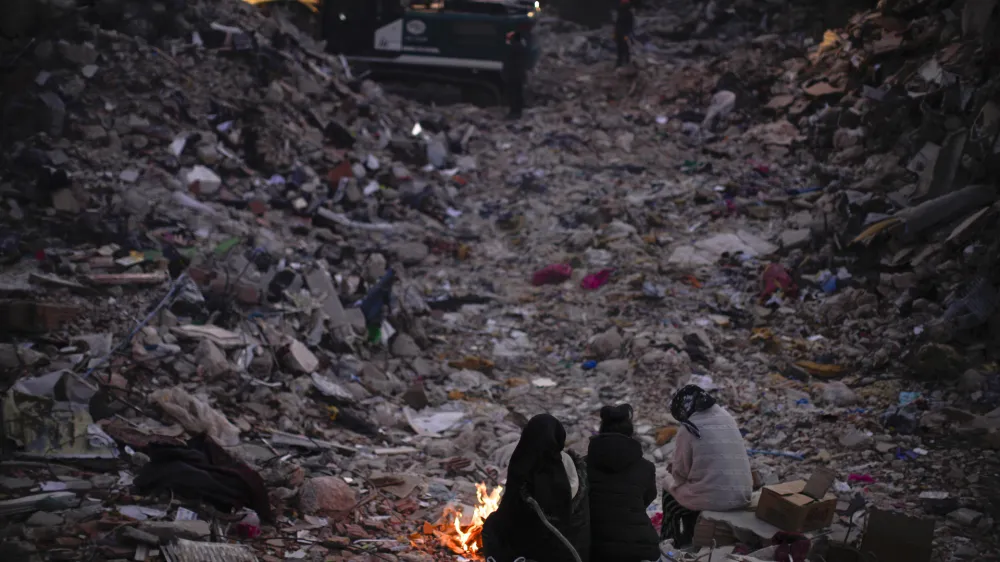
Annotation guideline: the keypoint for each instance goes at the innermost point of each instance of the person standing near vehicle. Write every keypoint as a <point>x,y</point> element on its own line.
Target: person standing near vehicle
<point>515,70</point>
<point>624,25</point>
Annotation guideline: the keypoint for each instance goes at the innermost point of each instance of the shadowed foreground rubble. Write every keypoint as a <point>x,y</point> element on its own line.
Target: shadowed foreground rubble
<point>195,197</point>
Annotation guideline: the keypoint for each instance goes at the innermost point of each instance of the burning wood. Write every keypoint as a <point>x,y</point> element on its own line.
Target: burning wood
<point>463,534</point>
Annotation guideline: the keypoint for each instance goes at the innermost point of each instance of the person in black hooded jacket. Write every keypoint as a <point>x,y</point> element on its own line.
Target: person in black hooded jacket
<point>622,485</point>
<point>541,473</point>
<point>624,26</point>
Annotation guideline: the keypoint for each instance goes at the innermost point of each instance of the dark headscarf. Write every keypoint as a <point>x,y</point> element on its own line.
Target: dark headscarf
<point>688,401</point>
<point>617,419</point>
<point>537,463</point>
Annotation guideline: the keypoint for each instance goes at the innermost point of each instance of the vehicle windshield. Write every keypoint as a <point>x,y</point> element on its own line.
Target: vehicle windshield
<point>498,7</point>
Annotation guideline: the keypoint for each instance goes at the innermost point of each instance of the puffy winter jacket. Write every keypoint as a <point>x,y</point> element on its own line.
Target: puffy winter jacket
<point>712,473</point>
<point>622,485</point>
<point>514,529</point>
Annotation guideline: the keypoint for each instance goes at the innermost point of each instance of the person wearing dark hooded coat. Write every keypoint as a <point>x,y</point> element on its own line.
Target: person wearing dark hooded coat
<point>622,485</point>
<point>624,26</point>
<point>515,70</point>
<point>541,474</point>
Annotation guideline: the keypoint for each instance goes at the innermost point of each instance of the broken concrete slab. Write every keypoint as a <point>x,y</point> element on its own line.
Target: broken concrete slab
<point>44,519</point>
<point>191,551</point>
<point>27,504</point>
<point>796,238</point>
<point>403,345</point>
<point>211,358</point>
<point>298,358</point>
<point>202,180</point>
<point>321,285</point>
<point>195,530</point>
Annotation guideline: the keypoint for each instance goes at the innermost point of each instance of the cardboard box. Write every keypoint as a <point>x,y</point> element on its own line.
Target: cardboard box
<point>786,507</point>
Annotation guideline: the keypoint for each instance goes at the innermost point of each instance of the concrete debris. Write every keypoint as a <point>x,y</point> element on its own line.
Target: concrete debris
<point>299,359</point>
<point>202,180</point>
<point>211,358</point>
<point>326,495</point>
<point>614,367</point>
<point>44,519</point>
<point>177,530</point>
<point>403,345</point>
<point>838,394</point>
<point>410,253</point>
<point>190,551</point>
<point>965,516</point>
<point>606,344</point>
<point>30,503</point>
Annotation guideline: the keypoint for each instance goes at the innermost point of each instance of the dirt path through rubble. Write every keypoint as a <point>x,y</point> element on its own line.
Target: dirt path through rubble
<point>626,172</point>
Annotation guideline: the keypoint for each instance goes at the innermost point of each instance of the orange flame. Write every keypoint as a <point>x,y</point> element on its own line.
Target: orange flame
<point>469,541</point>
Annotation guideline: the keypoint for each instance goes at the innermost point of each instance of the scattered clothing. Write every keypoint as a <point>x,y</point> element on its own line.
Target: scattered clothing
<point>597,280</point>
<point>537,473</point>
<point>791,546</point>
<point>204,470</point>
<point>622,485</point>
<point>624,26</point>
<point>678,522</point>
<point>711,468</point>
<point>688,401</point>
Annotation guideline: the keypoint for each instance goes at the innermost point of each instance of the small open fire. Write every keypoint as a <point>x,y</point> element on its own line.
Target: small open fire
<point>461,534</point>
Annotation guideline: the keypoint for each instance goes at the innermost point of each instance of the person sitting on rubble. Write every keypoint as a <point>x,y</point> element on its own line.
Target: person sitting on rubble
<point>622,485</point>
<point>544,514</point>
<point>710,469</point>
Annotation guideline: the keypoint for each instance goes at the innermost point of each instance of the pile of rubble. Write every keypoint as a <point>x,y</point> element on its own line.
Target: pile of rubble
<point>214,229</point>
<point>192,198</point>
<point>903,107</point>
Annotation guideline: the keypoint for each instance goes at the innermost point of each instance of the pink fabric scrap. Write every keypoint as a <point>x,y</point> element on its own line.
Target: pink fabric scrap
<point>597,280</point>
<point>552,274</point>
<point>248,531</point>
<point>657,519</point>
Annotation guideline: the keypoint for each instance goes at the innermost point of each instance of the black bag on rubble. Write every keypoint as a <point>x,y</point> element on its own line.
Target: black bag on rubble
<point>204,470</point>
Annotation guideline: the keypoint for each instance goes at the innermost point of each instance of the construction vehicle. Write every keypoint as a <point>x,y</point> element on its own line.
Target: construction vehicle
<point>459,42</point>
